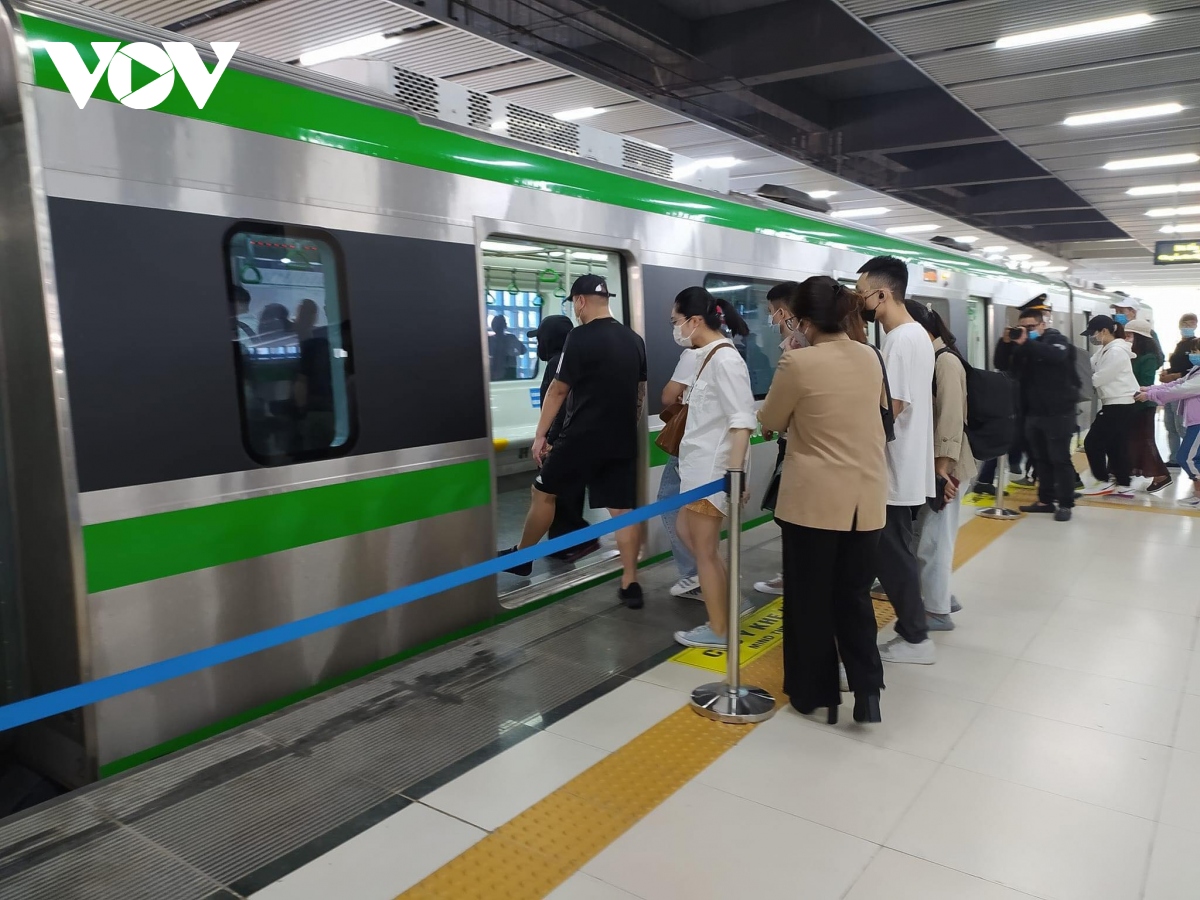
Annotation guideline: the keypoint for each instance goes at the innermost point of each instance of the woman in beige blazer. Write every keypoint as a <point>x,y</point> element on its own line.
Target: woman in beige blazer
<point>832,500</point>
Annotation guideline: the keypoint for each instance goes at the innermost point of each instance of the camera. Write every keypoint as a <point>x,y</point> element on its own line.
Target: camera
<point>1015,333</point>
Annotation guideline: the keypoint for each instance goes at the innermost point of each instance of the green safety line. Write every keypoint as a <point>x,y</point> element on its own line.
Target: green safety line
<point>202,734</point>
<point>261,104</point>
<point>130,551</point>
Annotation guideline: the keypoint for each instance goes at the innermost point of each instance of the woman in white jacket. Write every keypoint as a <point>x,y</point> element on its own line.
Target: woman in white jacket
<point>1107,442</point>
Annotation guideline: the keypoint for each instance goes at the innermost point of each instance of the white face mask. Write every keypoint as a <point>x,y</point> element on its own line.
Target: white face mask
<point>677,333</point>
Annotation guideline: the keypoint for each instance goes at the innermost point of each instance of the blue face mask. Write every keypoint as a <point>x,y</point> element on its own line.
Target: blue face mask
<point>1194,359</point>
<point>1188,333</point>
<point>1121,319</point>
<point>1033,335</point>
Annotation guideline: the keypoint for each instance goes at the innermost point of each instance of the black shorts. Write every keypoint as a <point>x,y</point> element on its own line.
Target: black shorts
<point>610,483</point>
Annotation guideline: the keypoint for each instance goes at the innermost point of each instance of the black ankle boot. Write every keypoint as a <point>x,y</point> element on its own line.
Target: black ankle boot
<point>866,708</point>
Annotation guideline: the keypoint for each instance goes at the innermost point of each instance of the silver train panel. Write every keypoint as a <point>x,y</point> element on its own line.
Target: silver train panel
<point>219,170</point>
<point>143,623</point>
<point>166,496</point>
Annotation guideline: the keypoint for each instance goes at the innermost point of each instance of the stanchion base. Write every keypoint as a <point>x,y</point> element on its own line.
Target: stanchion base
<point>997,513</point>
<point>717,701</point>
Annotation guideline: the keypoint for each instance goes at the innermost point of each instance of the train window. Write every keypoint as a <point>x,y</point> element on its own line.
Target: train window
<point>524,281</point>
<point>291,339</point>
<point>761,348</point>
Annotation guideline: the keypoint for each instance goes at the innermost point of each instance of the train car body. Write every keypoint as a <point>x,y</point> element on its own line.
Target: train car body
<point>164,494</point>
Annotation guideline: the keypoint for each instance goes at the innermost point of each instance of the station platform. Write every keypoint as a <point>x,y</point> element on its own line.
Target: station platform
<point>1052,752</point>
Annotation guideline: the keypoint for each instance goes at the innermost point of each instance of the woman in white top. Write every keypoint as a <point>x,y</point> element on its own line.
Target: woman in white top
<point>720,419</point>
<point>1107,441</point>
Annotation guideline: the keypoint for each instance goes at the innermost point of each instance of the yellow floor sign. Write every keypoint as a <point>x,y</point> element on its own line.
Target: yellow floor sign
<point>761,630</point>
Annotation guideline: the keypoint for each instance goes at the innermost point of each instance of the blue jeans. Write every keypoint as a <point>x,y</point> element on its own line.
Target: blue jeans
<point>669,487</point>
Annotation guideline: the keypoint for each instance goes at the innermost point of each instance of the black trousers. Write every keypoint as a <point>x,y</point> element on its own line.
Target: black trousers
<point>1107,443</point>
<point>1049,440</point>
<point>899,575</point>
<point>827,611</point>
<point>568,512</point>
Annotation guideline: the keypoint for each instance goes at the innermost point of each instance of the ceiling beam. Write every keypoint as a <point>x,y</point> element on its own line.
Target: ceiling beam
<point>1024,198</point>
<point>907,120</point>
<point>993,164</point>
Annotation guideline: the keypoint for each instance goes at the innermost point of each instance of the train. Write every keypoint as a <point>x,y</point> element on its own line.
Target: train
<point>248,368</point>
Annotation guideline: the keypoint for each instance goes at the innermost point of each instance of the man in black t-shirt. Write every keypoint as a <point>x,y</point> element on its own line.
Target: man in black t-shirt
<point>603,370</point>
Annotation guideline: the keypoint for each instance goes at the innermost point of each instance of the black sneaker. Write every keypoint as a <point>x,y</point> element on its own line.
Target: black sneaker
<point>1062,515</point>
<point>1038,507</point>
<point>524,569</point>
<point>989,489</point>
<point>631,596</point>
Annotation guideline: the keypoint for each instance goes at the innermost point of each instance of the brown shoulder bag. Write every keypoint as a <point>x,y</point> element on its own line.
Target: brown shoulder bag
<point>675,415</point>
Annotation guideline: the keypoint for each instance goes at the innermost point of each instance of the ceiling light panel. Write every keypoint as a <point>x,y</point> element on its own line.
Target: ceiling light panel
<point>911,229</point>
<point>1124,115</point>
<point>1167,212</point>
<point>866,212</point>
<point>359,46</point>
<point>1150,162</point>
<point>1074,32</point>
<point>1164,190</point>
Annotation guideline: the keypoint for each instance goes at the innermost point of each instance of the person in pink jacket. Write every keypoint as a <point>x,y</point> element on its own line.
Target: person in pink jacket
<point>1186,392</point>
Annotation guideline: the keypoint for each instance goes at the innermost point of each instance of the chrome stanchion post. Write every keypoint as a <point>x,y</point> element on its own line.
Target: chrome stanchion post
<point>730,700</point>
<point>997,511</point>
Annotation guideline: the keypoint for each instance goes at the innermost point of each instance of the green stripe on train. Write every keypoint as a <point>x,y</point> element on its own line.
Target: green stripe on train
<point>257,103</point>
<point>130,551</point>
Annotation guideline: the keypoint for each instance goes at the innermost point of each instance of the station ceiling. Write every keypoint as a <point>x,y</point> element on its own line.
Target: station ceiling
<point>890,103</point>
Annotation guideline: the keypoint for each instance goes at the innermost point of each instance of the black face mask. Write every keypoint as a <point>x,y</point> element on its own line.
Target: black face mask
<point>868,315</point>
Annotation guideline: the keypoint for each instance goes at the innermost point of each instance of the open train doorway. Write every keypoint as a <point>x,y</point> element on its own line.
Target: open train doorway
<point>527,282</point>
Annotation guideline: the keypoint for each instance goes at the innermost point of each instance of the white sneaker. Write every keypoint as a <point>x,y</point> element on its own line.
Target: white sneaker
<point>898,650</point>
<point>687,587</point>
<point>1190,502</point>
<point>774,587</point>
<point>1124,493</point>
<point>1100,490</point>
<point>843,681</point>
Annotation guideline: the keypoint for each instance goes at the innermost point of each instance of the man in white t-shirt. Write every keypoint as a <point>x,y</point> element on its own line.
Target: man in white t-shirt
<point>909,359</point>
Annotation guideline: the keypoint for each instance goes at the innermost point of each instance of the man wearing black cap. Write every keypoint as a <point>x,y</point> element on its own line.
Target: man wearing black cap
<point>1043,361</point>
<point>603,369</point>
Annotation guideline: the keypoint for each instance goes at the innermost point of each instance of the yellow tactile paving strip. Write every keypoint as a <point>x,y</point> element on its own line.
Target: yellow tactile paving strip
<point>529,856</point>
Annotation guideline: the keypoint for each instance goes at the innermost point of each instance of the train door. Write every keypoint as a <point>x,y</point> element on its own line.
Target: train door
<point>525,282</point>
<point>977,336</point>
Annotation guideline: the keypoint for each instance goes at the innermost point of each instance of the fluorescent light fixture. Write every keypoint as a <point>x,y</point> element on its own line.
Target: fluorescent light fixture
<point>584,112</point>
<point>866,212</point>
<point>1150,162</point>
<point>999,249</point>
<point>594,257</point>
<point>994,257</point>
<point>820,195</point>
<point>1020,256</point>
<point>1078,30</point>
<point>911,229</point>
<point>1124,115</point>
<point>1162,190</point>
<point>1038,264</point>
<point>1185,228</point>
<point>505,247</point>
<point>1055,269</point>
<point>1167,212</point>
<point>725,288</point>
<point>359,46</point>
<point>500,125</point>
<point>285,261</point>
<point>969,239</point>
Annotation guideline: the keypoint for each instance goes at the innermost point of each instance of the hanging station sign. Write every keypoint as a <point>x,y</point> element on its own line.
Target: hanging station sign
<point>1176,253</point>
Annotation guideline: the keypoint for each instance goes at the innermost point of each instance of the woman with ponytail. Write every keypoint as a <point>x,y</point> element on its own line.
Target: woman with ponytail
<point>716,438</point>
<point>832,499</point>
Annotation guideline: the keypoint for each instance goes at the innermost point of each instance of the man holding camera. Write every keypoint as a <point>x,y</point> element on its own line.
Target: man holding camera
<point>1043,360</point>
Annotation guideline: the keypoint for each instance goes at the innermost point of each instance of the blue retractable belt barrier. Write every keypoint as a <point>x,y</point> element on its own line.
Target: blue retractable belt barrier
<point>25,711</point>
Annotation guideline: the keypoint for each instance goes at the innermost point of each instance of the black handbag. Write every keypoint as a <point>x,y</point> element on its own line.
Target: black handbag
<point>771,494</point>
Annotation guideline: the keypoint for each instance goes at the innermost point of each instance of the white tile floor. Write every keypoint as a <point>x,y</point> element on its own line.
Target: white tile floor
<point>1053,753</point>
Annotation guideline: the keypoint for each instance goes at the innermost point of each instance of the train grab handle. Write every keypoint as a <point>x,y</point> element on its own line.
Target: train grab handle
<point>22,712</point>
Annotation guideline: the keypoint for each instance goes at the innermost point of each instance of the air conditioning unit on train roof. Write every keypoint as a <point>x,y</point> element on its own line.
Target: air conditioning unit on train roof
<point>459,105</point>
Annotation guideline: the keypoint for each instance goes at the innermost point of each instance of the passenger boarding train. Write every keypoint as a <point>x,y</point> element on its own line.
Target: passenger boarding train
<point>249,367</point>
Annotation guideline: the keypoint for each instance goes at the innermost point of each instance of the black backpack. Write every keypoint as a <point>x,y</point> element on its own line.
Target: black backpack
<point>991,410</point>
